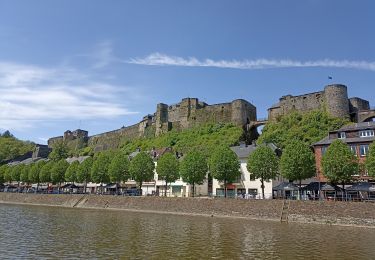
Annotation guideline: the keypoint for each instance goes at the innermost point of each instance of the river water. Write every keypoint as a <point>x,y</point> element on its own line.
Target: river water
<point>35,232</point>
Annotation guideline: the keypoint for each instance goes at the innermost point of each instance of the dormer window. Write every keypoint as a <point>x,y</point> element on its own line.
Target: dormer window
<point>342,135</point>
<point>366,133</point>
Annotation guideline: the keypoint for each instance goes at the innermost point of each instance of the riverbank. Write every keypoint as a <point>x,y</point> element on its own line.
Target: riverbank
<point>324,212</point>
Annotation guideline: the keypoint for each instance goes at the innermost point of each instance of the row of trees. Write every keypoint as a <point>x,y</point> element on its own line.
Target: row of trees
<point>116,167</point>
<point>297,163</point>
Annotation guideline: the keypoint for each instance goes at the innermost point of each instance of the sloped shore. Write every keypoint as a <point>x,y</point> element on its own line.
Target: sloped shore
<point>325,212</point>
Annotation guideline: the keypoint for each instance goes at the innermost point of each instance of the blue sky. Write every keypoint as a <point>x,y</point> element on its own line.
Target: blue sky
<point>99,65</point>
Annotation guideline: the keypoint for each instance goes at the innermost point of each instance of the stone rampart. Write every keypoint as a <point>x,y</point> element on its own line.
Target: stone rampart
<point>188,113</point>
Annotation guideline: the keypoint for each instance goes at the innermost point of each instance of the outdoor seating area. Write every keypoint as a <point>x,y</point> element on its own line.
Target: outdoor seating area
<point>360,191</point>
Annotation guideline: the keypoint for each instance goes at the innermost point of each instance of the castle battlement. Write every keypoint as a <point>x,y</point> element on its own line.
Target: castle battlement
<point>185,114</point>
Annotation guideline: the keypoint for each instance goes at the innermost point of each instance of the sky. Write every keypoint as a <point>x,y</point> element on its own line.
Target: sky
<point>101,65</point>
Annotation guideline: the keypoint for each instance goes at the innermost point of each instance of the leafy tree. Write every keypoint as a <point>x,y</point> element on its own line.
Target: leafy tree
<point>99,170</point>
<point>193,169</point>
<point>3,170</point>
<point>84,171</point>
<point>60,151</point>
<point>58,171</point>
<point>34,173</point>
<point>16,174</point>
<point>370,161</point>
<point>263,164</point>
<point>142,168</point>
<point>224,166</point>
<point>119,168</point>
<point>7,134</point>
<point>25,173</point>
<point>339,164</point>
<point>168,169</point>
<point>297,161</point>
<point>306,127</point>
<point>46,171</point>
<point>71,172</point>
<point>8,174</point>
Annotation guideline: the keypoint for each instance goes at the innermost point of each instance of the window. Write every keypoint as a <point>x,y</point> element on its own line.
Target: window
<point>366,133</point>
<point>342,135</point>
<point>253,192</point>
<point>324,150</point>
<point>363,149</point>
<point>353,149</point>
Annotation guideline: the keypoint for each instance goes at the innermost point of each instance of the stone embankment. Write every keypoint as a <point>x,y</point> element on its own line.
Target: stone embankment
<point>325,212</point>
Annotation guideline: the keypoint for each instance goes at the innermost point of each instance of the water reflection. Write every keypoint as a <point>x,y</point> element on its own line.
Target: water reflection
<point>47,232</point>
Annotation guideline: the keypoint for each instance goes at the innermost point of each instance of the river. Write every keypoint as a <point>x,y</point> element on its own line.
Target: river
<point>50,232</point>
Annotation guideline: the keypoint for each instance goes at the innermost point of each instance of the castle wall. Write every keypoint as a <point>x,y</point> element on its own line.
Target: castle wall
<point>112,139</point>
<point>189,112</point>
<point>302,103</point>
<point>334,99</point>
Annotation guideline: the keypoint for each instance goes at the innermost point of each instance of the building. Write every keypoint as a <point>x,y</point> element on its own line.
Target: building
<point>358,137</point>
<point>189,112</point>
<point>334,99</point>
<point>246,185</point>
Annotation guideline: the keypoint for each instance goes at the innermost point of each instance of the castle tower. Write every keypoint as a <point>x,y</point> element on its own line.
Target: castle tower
<point>161,119</point>
<point>336,98</point>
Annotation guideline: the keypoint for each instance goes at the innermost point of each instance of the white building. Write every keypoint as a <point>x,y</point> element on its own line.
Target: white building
<point>246,186</point>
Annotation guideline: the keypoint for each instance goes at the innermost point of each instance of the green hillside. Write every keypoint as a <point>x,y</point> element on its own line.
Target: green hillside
<point>203,138</point>
<point>309,127</point>
<point>11,147</point>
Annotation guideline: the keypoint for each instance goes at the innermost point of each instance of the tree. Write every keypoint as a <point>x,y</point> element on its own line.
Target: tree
<point>60,151</point>
<point>71,172</point>
<point>84,171</point>
<point>25,174</point>
<point>142,168</point>
<point>58,171</point>
<point>3,170</point>
<point>119,168</point>
<point>99,170</point>
<point>8,174</point>
<point>34,172</point>
<point>297,162</point>
<point>16,174</point>
<point>193,169</point>
<point>370,161</point>
<point>339,164</point>
<point>263,164</point>
<point>168,169</point>
<point>224,166</point>
<point>46,171</point>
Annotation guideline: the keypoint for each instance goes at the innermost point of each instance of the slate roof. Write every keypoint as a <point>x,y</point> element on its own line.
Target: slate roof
<point>356,127</point>
<point>327,141</point>
<point>243,151</point>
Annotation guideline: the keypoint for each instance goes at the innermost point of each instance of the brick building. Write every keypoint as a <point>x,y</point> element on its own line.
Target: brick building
<point>358,137</point>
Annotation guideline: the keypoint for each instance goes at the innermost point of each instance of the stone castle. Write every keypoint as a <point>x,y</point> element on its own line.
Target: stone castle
<point>185,114</point>
<point>334,99</point>
<point>191,112</point>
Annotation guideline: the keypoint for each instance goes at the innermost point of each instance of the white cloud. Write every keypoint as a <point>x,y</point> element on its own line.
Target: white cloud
<point>158,59</point>
<point>102,55</point>
<point>32,94</point>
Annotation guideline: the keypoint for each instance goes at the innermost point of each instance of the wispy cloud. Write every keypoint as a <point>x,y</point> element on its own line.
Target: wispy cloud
<point>159,59</point>
<point>31,95</point>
